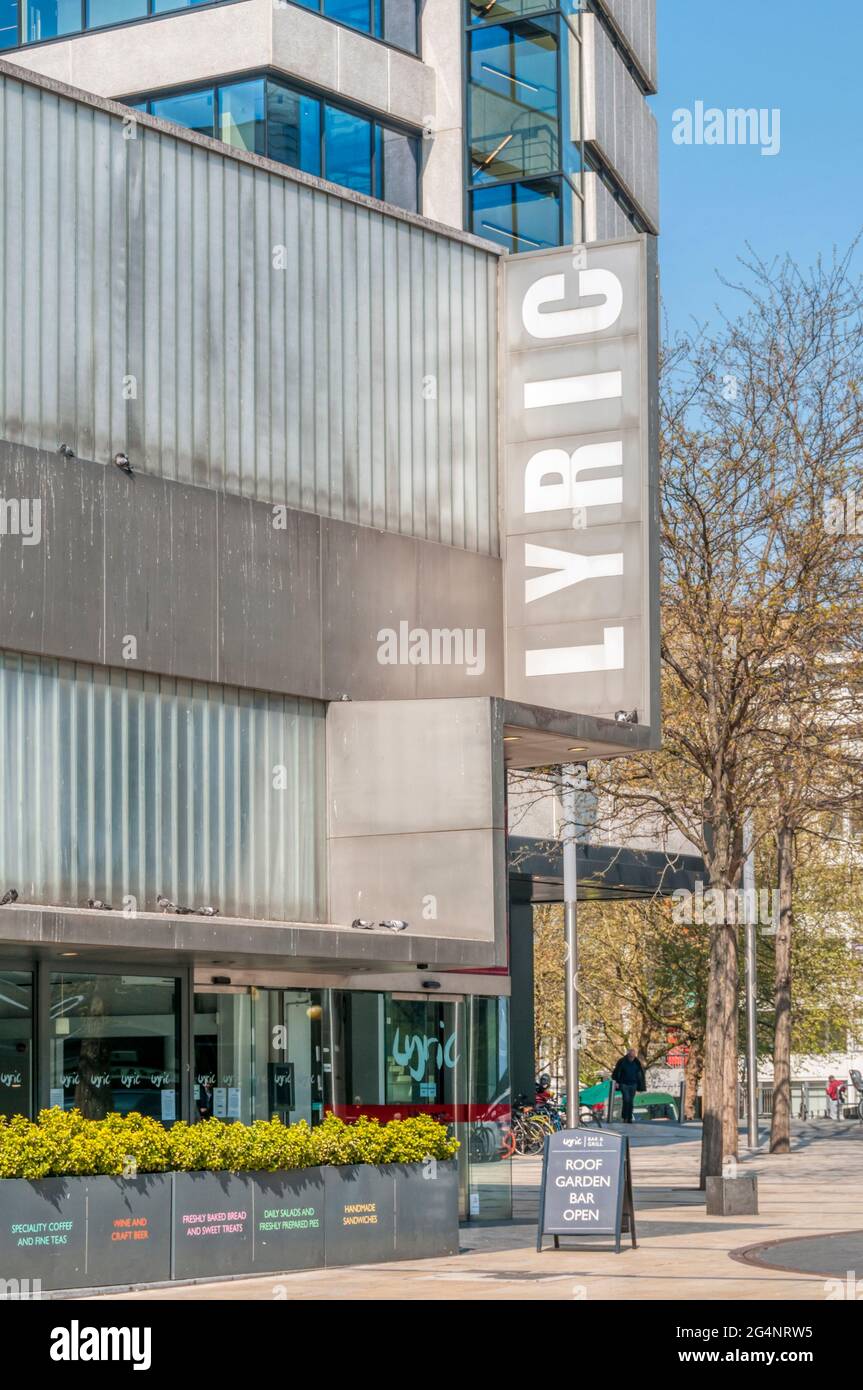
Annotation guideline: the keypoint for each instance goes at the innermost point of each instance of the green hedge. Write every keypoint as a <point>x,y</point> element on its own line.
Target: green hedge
<point>62,1143</point>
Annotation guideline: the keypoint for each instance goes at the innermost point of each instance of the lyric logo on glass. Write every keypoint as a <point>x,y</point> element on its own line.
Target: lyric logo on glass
<point>77,1343</point>
<point>21,516</point>
<point>417,1052</point>
<point>709,125</point>
<point>437,646</point>
<point>581,553</point>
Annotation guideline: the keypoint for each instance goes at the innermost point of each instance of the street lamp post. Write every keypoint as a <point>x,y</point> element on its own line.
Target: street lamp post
<point>572,783</point>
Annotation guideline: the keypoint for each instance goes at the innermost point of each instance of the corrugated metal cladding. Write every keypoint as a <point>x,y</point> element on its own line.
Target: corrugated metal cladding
<point>240,330</point>
<point>114,783</point>
<point>636,20</point>
<point>625,126</point>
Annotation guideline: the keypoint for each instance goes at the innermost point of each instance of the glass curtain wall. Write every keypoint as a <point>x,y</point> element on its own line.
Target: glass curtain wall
<point>393,21</point>
<point>523,119</point>
<point>120,786</point>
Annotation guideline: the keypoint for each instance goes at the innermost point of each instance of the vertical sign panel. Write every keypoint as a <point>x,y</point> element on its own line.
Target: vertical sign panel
<point>581,508</point>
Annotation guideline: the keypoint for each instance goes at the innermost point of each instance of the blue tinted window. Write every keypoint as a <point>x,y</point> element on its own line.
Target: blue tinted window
<point>241,116</point>
<point>293,129</point>
<point>195,110</point>
<point>161,6</point>
<point>356,13</point>
<point>101,12</point>
<point>48,19</point>
<point>8,23</point>
<point>348,150</point>
<point>520,216</point>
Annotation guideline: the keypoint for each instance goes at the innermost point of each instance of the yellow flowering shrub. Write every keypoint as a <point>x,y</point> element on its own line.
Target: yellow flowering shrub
<point>63,1143</point>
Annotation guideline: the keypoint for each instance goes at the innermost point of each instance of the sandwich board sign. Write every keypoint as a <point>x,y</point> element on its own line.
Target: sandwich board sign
<point>586,1186</point>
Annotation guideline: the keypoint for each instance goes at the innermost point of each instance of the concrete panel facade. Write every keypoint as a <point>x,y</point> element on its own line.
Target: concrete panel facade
<point>213,590</point>
<point>416,816</point>
<point>617,120</point>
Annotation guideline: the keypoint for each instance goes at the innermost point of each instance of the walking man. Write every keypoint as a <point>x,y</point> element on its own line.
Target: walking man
<point>628,1076</point>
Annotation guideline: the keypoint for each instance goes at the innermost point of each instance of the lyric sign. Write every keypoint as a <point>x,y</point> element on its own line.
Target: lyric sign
<point>581,509</point>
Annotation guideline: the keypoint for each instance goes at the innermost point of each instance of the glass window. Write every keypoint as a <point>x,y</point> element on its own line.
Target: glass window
<point>293,128</point>
<point>114,1045</point>
<point>16,1042</point>
<point>348,149</point>
<point>400,158</point>
<point>513,101</point>
<point>223,1056</point>
<point>520,216</point>
<point>496,11</point>
<point>101,12</point>
<point>290,1054</point>
<point>241,116</point>
<point>397,23</point>
<point>48,19</point>
<point>8,23</point>
<point>194,110</point>
<point>355,13</point>
<point>162,6</point>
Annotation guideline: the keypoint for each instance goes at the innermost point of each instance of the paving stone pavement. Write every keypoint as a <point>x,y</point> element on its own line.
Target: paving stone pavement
<point>682,1253</point>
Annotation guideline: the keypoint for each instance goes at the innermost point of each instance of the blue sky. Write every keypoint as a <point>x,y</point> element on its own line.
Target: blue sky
<point>805,59</point>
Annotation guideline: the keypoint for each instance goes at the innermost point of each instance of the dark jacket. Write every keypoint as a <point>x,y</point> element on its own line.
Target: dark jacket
<point>629,1073</point>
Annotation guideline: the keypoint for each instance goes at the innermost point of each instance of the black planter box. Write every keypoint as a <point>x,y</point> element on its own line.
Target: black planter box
<point>101,1232</point>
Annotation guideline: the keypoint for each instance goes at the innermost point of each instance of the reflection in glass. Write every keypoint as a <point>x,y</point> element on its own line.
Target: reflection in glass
<point>241,116</point>
<point>101,12</point>
<point>114,1045</point>
<point>16,1042</point>
<point>194,110</point>
<point>48,19</point>
<point>513,101</point>
<point>348,150</point>
<point>355,13</point>
<point>521,217</point>
<point>8,23</point>
<point>293,128</point>
<point>400,157</point>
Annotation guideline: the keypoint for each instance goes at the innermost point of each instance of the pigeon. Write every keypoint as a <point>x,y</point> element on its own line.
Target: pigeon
<point>207,911</point>
<point>98,905</point>
<point>121,461</point>
<point>360,924</point>
<point>394,924</point>
<point>170,906</point>
<point>66,451</point>
<point>10,896</point>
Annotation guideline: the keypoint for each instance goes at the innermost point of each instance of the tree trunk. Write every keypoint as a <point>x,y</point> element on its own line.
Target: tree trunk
<point>719,1133</point>
<point>780,1129</point>
<point>693,1076</point>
